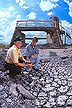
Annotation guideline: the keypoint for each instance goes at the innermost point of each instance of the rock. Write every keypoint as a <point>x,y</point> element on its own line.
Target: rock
<point>63,89</point>
<point>13,89</point>
<point>53,53</point>
<point>3,105</point>
<point>52,101</point>
<point>5,95</point>
<point>28,78</point>
<point>64,57</point>
<point>24,106</point>
<point>61,100</point>
<point>35,94</point>
<point>8,100</point>
<point>48,87</point>
<point>47,105</point>
<point>32,84</point>
<point>69,83</point>
<point>42,102</point>
<point>28,104</point>
<point>1,87</point>
<point>69,101</point>
<point>53,93</point>
<point>63,82</point>
<point>42,94</point>
<point>54,84</point>
<point>37,102</point>
<point>69,93</point>
<point>25,92</point>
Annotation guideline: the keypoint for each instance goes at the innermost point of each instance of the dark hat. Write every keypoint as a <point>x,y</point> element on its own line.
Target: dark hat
<point>18,38</point>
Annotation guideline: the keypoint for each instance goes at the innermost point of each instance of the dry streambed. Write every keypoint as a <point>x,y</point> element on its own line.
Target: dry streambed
<point>49,88</point>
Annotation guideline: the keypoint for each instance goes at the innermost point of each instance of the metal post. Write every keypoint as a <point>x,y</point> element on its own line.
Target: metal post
<point>65,37</point>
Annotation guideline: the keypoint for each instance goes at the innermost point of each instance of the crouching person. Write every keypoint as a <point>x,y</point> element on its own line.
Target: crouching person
<point>31,53</point>
<point>14,60</point>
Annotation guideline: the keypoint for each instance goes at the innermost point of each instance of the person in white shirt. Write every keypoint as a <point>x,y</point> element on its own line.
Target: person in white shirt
<point>14,59</point>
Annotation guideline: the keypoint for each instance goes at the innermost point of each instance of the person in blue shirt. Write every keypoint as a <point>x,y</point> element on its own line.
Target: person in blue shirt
<point>31,53</point>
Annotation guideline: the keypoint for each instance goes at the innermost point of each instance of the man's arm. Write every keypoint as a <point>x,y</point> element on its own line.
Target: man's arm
<point>23,65</point>
<point>26,61</point>
<point>26,53</point>
<point>36,52</point>
<point>34,55</point>
<point>22,58</point>
<point>27,58</point>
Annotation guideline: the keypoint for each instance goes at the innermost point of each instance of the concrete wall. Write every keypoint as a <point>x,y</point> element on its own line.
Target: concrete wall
<point>16,33</point>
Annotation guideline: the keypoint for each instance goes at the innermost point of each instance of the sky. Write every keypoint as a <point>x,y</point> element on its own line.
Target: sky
<point>13,10</point>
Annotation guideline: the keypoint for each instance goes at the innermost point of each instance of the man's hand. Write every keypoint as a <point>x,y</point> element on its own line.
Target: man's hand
<point>30,66</point>
<point>27,62</point>
<point>32,56</point>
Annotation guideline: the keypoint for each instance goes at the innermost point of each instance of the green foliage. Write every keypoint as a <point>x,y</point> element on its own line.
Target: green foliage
<point>2,45</point>
<point>1,55</point>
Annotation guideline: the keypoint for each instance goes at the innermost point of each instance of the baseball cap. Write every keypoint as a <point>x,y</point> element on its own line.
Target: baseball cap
<point>18,38</point>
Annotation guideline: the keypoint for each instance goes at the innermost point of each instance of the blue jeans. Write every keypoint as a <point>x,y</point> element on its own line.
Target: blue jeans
<point>36,59</point>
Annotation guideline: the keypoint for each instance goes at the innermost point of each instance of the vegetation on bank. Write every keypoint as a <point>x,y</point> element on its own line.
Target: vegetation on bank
<point>3,45</point>
<point>1,55</point>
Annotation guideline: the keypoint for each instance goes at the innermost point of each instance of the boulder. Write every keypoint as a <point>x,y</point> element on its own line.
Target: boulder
<point>25,92</point>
